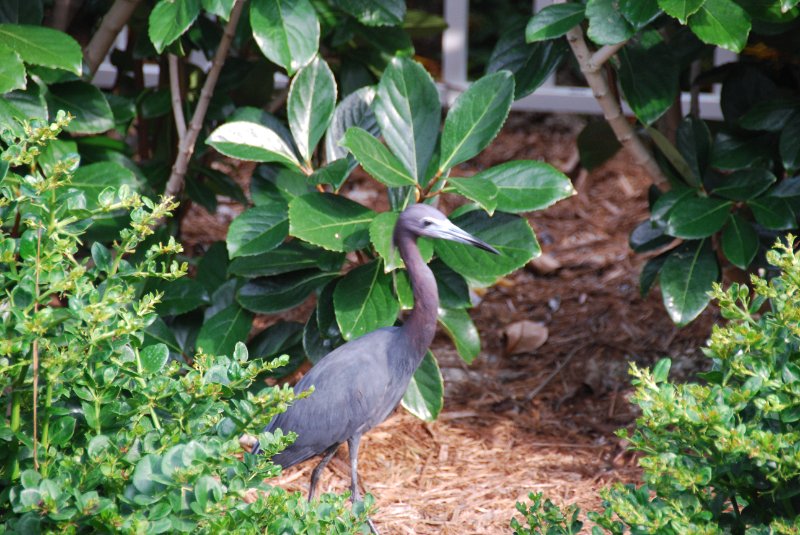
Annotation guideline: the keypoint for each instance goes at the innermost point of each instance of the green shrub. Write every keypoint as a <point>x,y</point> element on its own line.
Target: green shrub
<point>104,432</point>
<point>722,455</point>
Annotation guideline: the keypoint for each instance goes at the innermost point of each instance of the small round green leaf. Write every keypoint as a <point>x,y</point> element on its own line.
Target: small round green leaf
<point>153,358</point>
<point>169,20</point>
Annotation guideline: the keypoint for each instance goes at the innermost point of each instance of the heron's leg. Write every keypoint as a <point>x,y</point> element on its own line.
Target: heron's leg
<point>355,496</point>
<point>327,456</point>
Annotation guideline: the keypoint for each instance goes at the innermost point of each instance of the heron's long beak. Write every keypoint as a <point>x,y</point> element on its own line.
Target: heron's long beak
<point>448,231</point>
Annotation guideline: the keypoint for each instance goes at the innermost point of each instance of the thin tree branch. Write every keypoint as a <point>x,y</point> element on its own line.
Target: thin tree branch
<point>116,18</point>
<point>612,111</point>
<point>175,92</point>
<point>186,148</point>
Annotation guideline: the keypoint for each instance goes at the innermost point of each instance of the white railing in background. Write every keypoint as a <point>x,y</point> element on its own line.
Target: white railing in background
<point>550,97</point>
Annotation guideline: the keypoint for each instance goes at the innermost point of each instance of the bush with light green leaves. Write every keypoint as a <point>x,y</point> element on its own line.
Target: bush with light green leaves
<point>720,455</point>
<point>102,431</point>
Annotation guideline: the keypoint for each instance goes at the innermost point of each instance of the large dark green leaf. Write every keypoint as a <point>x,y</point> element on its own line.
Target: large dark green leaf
<point>375,12</point>
<point>376,159</point>
<point>790,144</point>
<point>722,23</point>
<point>649,80</point>
<point>272,182</point>
<point>220,333</point>
<point>286,31</point>
<point>290,256</point>
<point>274,294</point>
<point>180,296</point>
<point>480,190</point>
<point>650,272</point>
<point>694,143</point>
<point>607,26</point>
<point>335,173</point>
<point>453,289</point>
<point>680,9</point>
<point>554,21</point>
<point>220,8</point>
<point>525,185</point>
<point>21,11</point>
<point>312,98</point>
<point>364,301</point>
<point>531,64</point>
<point>662,206</point>
<point>380,234</point>
<point>408,111</point>
<point>169,20</point>
<point>83,100</point>
<point>686,279</point>
<point>773,212</point>
<point>731,152</point>
<point>12,70</point>
<point>92,179</point>
<point>475,118</point>
<point>639,13</point>
<point>47,47</point>
<point>424,396</point>
<point>330,221</point>
<point>597,143</point>
<point>697,217</point>
<point>258,230</point>
<point>354,110</point>
<point>213,267</point>
<point>461,330</point>
<point>250,141</point>
<point>745,184</point>
<point>19,106</point>
<point>276,339</point>
<point>509,234</point>
<point>647,237</point>
<point>770,115</point>
<point>739,241</point>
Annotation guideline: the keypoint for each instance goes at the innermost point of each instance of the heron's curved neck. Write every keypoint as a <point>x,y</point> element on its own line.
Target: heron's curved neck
<point>420,326</point>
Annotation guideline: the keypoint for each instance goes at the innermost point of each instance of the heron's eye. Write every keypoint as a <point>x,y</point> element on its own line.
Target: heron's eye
<point>427,222</point>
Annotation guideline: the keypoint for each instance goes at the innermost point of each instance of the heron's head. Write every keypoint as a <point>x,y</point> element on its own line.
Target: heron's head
<point>427,221</point>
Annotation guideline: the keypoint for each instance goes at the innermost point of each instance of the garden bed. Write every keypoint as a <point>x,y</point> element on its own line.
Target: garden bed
<point>511,424</point>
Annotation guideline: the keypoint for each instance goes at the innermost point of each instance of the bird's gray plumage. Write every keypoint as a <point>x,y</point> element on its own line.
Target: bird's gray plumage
<point>358,385</point>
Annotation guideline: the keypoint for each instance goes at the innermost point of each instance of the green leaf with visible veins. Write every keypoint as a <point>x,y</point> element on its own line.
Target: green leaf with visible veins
<point>274,294</point>
<point>524,185</point>
<point>775,213</point>
<point>43,46</point>
<point>607,26</point>
<point>258,230</point>
<point>686,279</point>
<point>250,141</point>
<point>293,255</point>
<point>480,190</point>
<point>364,301</point>
<point>330,221</point>
<point>286,31</point>
<point>375,12</point>
<point>92,113</point>
<point>12,70</point>
<point>554,21</point>
<point>459,327</point>
<point>424,396</point>
<point>220,332</point>
<point>680,9</point>
<point>475,118</point>
<point>722,23</point>
<point>376,159</point>
<point>169,20</point>
<point>739,242</point>
<point>380,234</point>
<point>697,217</point>
<point>312,98</point>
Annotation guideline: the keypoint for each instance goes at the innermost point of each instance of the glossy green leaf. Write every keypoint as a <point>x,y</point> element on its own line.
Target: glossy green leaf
<point>770,115</point>
<point>531,64</point>
<point>274,294</point>
<point>509,234</point>
<point>354,110</point>
<point>180,296</point>
<point>83,100</point>
<point>21,11</point>
<point>286,31</point>
<point>169,20</point>
<point>220,8</point>
<point>694,143</point>
<point>335,173</point>
<point>453,289</point>
<point>364,301</point>
<point>649,80</point>
<point>220,332</point>
<point>62,430</point>
<point>722,23</point>
<point>639,13</point>
<point>475,118</point>
<point>647,237</point>
<point>424,396</point>
<point>596,144</point>
<point>375,12</point>
<point>697,217</point>
<point>680,9</point>
<point>43,46</point>
<point>153,358</point>
<point>330,221</point>
<point>376,159</point>
<point>773,212</point>
<point>650,272</point>
<point>731,152</point>
<point>554,21</point>
<point>745,184</point>
<point>408,111</point>
<point>290,256</point>
<point>93,178</point>
<point>686,279</point>
<point>459,327</point>
<point>258,230</point>
<point>607,26</point>
<point>480,190</point>
<point>525,185</point>
<point>213,266</point>
<point>739,242</point>
<point>790,144</point>
<point>272,183</point>
<point>310,105</point>
<point>380,234</point>
<point>250,141</point>
<point>12,70</point>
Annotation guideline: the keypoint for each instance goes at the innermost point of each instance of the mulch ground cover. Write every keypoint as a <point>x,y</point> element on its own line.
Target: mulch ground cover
<point>515,423</point>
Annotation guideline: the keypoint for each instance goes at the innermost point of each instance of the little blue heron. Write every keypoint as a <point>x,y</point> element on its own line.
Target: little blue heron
<point>358,385</point>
